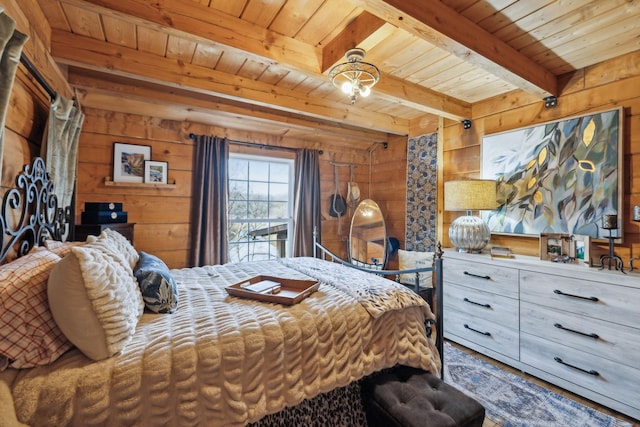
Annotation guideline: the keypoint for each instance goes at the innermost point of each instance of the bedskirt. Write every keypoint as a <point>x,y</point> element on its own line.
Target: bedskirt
<point>221,360</point>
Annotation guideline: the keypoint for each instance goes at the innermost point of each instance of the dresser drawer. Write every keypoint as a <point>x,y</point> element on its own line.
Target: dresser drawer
<point>496,337</point>
<point>612,303</point>
<point>615,342</point>
<point>485,305</point>
<point>608,378</point>
<point>485,277</point>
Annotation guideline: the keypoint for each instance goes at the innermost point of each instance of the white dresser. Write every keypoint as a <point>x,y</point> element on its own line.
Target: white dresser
<point>574,326</point>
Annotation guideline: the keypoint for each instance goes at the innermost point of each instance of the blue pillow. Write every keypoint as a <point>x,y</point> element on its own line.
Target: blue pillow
<point>159,289</point>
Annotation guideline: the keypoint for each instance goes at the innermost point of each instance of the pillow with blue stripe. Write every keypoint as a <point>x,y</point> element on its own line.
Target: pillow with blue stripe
<point>159,289</point>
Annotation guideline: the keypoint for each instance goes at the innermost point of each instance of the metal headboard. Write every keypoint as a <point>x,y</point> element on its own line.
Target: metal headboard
<point>30,212</point>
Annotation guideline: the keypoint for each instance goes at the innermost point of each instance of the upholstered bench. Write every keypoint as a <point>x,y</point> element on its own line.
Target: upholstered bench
<point>409,397</point>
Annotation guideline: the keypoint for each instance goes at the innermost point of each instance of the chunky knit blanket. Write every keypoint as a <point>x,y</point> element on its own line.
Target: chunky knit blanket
<point>221,360</point>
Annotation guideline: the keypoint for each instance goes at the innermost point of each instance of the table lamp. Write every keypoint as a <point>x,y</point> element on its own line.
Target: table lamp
<point>469,233</point>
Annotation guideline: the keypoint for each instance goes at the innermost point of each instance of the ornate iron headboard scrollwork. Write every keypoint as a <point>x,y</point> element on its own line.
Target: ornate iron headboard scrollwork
<point>30,212</point>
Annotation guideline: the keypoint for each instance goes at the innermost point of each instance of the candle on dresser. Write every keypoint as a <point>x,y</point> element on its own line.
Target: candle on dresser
<point>610,222</point>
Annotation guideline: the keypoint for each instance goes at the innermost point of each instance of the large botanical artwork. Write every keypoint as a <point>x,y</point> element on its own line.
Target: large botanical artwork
<point>557,177</point>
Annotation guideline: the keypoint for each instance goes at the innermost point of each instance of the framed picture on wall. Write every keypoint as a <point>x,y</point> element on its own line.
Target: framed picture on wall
<point>556,177</point>
<point>128,162</point>
<point>156,172</point>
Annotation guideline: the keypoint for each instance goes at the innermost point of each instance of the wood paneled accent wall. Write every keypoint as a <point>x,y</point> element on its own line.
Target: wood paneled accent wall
<point>162,216</point>
<point>612,84</point>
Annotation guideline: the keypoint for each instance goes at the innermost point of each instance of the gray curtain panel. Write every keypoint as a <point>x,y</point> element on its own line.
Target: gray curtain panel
<point>306,205</point>
<point>210,199</point>
<point>11,42</point>
<point>60,147</point>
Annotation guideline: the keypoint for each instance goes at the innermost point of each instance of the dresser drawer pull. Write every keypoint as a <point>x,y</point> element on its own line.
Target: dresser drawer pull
<point>559,292</point>
<point>477,275</point>
<point>477,303</point>
<point>488,334</point>
<point>591,335</point>
<point>590,372</point>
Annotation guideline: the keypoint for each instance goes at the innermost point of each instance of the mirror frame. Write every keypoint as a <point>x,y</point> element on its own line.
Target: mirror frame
<point>363,206</point>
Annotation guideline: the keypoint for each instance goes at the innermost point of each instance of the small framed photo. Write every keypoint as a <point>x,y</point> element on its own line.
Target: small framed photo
<point>128,162</point>
<point>553,246</point>
<point>582,248</point>
<point>156,172</point>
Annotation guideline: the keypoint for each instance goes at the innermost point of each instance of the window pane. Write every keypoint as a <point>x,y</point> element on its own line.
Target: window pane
<point>278,192</point>
<point>238,168</point>
<point>279,173</point>
<point>278,209</point>
<point>258,171</point>
<point>258,190</point>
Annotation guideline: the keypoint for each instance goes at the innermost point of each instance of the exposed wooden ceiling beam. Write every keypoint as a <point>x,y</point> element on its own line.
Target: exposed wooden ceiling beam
<point>177,104</point>
<point>92,54</point>
<point>209,24</point>
<point>442,26</point>
<point>364,26</point>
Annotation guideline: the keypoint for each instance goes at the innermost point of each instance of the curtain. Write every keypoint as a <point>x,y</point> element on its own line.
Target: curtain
<point>60,147</point>
<point>306,204</point>
<point>11,42</point>
<point>209,206</point>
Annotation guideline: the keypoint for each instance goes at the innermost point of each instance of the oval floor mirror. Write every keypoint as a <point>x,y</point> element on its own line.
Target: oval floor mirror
<point>368,236</point>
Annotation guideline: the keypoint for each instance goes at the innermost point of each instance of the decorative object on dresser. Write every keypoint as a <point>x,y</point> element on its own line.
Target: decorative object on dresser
<point>469,233</point>
<point>572,326</point>
<point>557,247</point>
<point>610,222</point>
<point>128,161</point>
<point>500,252</point>
<point>556,177</point>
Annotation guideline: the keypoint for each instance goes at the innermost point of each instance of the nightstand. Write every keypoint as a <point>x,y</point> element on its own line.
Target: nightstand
<point>84,230</point>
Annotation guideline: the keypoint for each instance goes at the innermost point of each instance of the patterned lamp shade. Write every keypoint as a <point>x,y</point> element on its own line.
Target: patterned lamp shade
<point>469,233</point>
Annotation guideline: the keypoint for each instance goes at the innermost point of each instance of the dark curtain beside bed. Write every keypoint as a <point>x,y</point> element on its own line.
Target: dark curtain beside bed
<point>209,209</point>
<point>306,208</point>
<point>11,42</point>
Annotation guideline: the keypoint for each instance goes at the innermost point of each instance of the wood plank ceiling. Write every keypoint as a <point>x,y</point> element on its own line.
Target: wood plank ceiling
<point>263,64</point>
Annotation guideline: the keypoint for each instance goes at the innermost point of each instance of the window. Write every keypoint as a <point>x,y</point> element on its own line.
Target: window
<point>260,207</point>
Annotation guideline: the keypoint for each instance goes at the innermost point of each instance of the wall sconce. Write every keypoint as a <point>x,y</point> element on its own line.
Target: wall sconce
<point>469,233</point>
<point>466,123</point>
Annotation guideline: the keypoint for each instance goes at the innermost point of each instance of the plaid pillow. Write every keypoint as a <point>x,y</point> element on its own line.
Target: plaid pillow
<point>28,334</point>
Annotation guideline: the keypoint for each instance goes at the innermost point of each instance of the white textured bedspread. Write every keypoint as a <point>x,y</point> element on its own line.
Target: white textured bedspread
<point>221,360</point>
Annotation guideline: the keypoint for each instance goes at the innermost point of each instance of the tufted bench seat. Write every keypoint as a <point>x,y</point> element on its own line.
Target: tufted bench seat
<point>410,397</point>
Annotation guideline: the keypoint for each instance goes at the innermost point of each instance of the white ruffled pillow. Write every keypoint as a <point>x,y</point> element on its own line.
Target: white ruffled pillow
<point>116,243</point>
<point>95,299</point>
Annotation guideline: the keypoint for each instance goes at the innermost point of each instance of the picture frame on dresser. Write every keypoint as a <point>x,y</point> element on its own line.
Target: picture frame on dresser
<point>156,172</point>
<point>555,245</point>
<point>561,176</point>
<point>128,161</point>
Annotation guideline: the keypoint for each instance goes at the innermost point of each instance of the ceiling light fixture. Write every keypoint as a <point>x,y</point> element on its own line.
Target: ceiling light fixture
<point>355,77</point>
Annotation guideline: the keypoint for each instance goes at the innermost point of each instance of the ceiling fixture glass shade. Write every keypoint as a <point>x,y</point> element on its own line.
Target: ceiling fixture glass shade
<point>354,77</point>
<point>469,233</point>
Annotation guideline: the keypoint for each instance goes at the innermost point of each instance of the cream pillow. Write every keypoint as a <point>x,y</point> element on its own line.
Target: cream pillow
<point>95,300</point>
<point>411,259</point>
<point>117,243</point>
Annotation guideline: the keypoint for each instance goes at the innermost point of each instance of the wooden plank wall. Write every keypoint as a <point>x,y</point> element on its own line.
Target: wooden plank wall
<point>162,216</point>
<point>615,83</point>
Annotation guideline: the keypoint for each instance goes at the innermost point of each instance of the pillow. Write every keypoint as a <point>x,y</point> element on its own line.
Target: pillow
<point>117,243</point>
<point>29,335</point>
<point>159,289</point>
<point>95,300</point>
<point>59,248</point>
<point>411,259</point>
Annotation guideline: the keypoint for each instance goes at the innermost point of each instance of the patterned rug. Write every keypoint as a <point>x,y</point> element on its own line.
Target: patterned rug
<point>512,401</point>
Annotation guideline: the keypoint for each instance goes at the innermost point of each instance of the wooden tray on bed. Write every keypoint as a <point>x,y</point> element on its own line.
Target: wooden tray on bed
<point>292,291</point>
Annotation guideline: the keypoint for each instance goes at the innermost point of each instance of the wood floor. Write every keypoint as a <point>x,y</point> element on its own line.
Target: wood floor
<point>489,423</point>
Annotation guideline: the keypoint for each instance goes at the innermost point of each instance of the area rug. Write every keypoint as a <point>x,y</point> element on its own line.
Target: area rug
<point>512,401</point>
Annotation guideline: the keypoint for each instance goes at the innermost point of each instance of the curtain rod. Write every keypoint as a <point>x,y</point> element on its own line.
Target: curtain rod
<point>39,77</point>
<point>255,144</point>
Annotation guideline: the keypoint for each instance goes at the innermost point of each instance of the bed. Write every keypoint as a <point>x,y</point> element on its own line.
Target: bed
<point>209,359</point>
